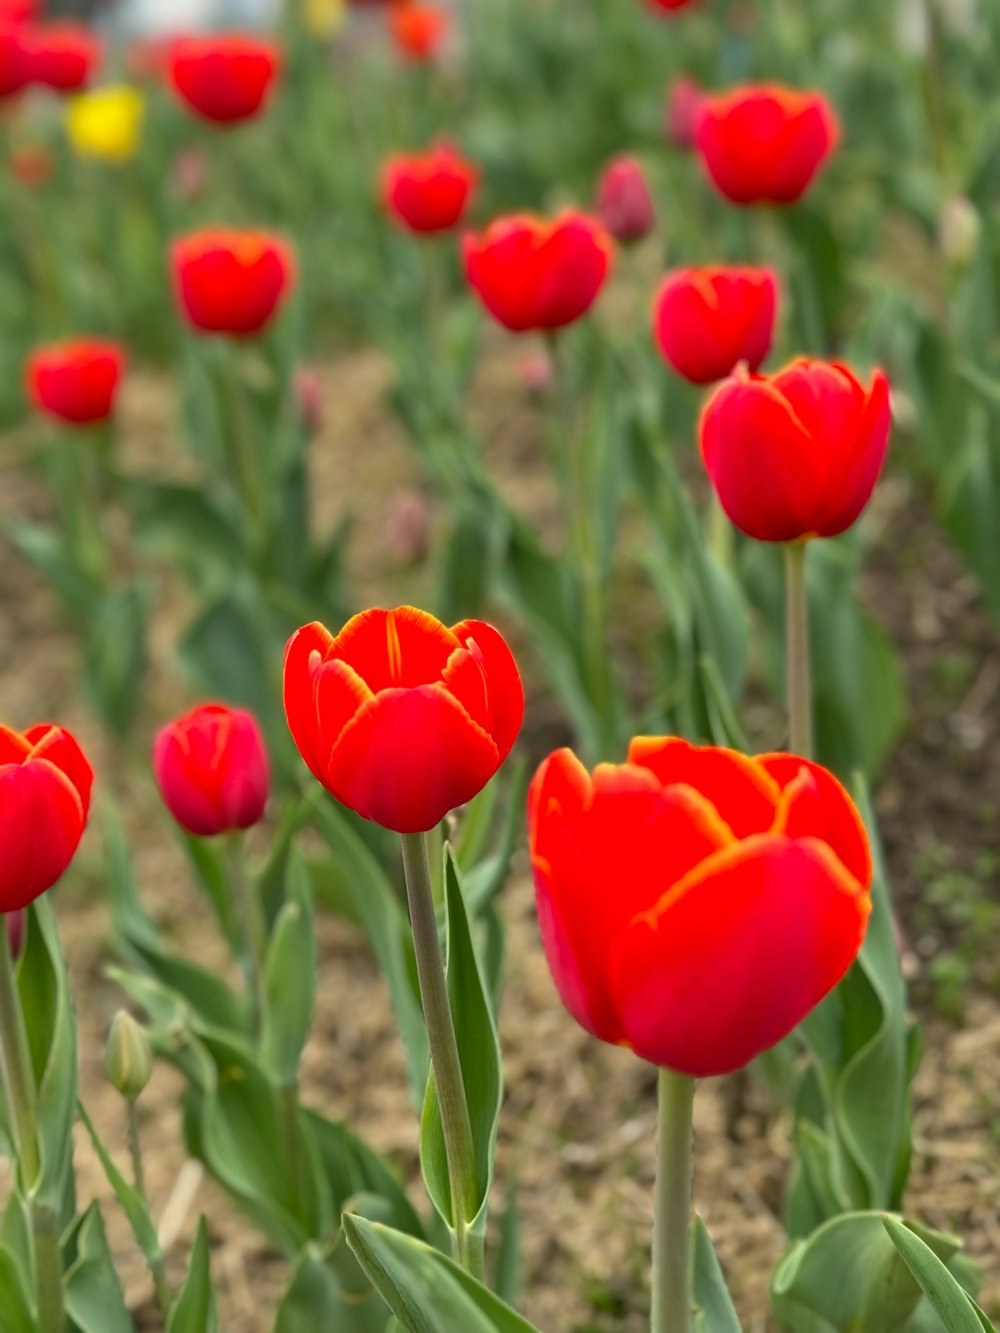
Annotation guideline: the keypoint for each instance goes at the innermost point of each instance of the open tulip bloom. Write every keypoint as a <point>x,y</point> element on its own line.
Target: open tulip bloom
<point>223,78</point>
<point>708,320</point>
<point>75,381</point>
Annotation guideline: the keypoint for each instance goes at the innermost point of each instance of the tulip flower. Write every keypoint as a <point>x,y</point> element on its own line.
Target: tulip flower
<point>62,56</point>
<point>15,67</point>
<point>76,381</point>
<point>535,274</point>
<point>106,123</point>
<point>212,771</point>
<point>624,202</point>
<point>45,784</point>
<point>400,718</point>
<point>19,11</point>
<point>231,281</point>
<point>428,192</point>
<point>765,143</point>
<point>707,320</point>
<point>797,454</point>
<point>418,29</point>
<point>671,6</point>
<point>223,78</point>
<point>682,111</point>
<point>31,163</point>
<point>696,904</point>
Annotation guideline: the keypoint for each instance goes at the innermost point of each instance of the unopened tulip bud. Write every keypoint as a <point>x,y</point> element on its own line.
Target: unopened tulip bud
<point>309,396</point>
<point>624,202</point>
<point>32,164</point>
<point>190,175</point>
<point>16,926</point>
<point>683,103</point>
<point>409,528</point>
<point>959,230</point>
<point>538,374</point>
<point>128,1060</point>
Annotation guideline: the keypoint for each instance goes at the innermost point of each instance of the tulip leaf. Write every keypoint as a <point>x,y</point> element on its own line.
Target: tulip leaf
<point>714,1311</point>
<point>479,1055</point>
<point>848,1277</point>
<point>352,1168</point>
<point>384,920</point>
<point>485,876</point>
<point>93,1294</point>
<point>290,978</point>
<point>958,1311</point>
<point>115,654</point>
<point>195,1310</point>
<point>224,653</point>
<point>16,1315</point>
<point>43,984</point>
<point>426,1291</point>
<point>316,1298</point>
<point>134,1206</point>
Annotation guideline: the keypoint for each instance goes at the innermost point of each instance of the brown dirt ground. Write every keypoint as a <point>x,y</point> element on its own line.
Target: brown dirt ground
<point>578,1122</point>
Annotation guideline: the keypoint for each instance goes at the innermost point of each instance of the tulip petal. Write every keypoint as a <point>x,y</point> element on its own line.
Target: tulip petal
<point>43,819</point>
<point>305,652</point>
<point>744,795</point>
<point>815,805</point>
<point>590,852</point>
<point>408,757</point>
<point>61,749</point>
<point>396,649</point>
<point>737,955</point>
<point>504,691</point>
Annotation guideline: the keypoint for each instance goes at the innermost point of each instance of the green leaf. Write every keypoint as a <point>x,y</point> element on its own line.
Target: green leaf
<point>385,922</point>
<point>16,1315</point>
<point>426,1291</point>
<point>195,1309</point>
<point>224,654</point>
<point>134,1206</point>
<point>115,654</point>
<point>714,1311</point>
<point>185,521</point>
<point>46,549</point>
<point>848,1275</point>
<point>315,1298</point>
<point>351,1168</point>
<point>93,1294</point>
<point>484,877</point>
<point>507,1267</point>
<point>290,978</point>
<point>959,1312</point>
<point>479,1055</point>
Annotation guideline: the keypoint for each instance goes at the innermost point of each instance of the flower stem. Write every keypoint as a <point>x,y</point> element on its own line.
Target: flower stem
<point>672,1227</point>
<point>164,1300</point>
<point>798,680</point>
<point>22,1107</point>
<point>455,1121</point>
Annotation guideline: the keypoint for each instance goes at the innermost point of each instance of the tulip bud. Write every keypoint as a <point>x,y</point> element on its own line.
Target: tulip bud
<point>190,175</point>
<point>212,770</point>
<point>683,103</point>
<point>16,925</point>
<point>959,230</point>
<point>309,396</point>
<point>408,529</point>
<point>32,164</point>
<point>128,1059</point>
<point>624,202</point>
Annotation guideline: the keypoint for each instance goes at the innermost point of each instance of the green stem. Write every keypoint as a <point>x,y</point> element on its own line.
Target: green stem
<point>248,903</point>
<point>22,1106</point>
<point>288,1110</point>
<point>798,680</point>
<point>455,1122</point>
<point>237,431</point>
<point>672,1226</point>
<point>157,1267</point>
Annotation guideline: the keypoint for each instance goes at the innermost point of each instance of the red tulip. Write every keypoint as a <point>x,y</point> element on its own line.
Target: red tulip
<point>19,11</point>
<point>400,718</point>
<point>682,112</point>
<point>531,273</point>
<point>624,203</point>
<point>212,771</point>
<point>15,68</point>
<point>796,454</point>
<point>223,78</point>
<point>63,56</point>
<point>231,281</point>
<point>45,784</point>
<point>766,143</point>
<point>696,904</point>
<point>707,320</point>
<point>418,29</point>
<point>76,381</point>
<point>31,163</point>
<point>671,5</point>
<point>428,192</point>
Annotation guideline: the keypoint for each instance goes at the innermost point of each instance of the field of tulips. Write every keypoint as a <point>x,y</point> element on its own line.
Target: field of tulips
<point>500,669</point>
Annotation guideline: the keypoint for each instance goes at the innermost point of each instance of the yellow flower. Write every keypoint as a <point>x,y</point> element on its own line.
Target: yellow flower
<point>323,17</point>
<point>106,123</point>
